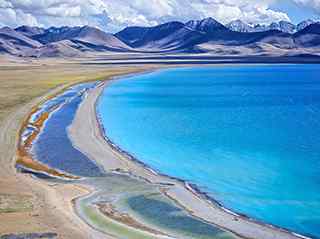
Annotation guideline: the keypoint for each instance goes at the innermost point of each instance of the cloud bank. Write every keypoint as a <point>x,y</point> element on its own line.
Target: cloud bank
<point>311,4</point>
<point>112,15</point>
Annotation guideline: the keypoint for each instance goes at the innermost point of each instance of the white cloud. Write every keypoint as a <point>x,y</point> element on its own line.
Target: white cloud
<point>311,4</point>
<point>5,4</point>
<point>113,15</point>
<point>245,10</point>
<point>18,17</point>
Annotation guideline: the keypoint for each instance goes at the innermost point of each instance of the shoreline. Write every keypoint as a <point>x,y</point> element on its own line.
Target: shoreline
<point>50,203</point>
<point>31,128</point>
<point>139,169</point>
<point>112,158</point>
<point>36,118</point>
<point>51,209</point>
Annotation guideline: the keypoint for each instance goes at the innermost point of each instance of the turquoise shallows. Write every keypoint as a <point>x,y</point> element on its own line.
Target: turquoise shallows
<point>248,136</point>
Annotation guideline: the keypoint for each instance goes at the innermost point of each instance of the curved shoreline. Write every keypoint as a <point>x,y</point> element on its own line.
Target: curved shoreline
<point>51,205</point>
<point>32,126</point>
<point>123,162</point>
<point>253,228</point>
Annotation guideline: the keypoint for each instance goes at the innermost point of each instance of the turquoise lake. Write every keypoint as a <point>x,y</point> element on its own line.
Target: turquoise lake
<point>248,136</point>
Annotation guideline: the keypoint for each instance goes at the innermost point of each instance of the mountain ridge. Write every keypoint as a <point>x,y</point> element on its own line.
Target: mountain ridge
<point>284,26</point>
<point>195,36</point>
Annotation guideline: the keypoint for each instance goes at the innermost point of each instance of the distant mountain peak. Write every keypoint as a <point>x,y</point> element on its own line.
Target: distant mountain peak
<point>302,25</point>
<point>206,25</point>
<point>29,31</point>
<point>313,28</point>
<point>171,25</point>
<point>288,27</point>
<point>210,21</point>
<point>87,30</point>
<point>283,26</point>
<point>6,29</point>
<point>60,30</point>
<point>239,26</point>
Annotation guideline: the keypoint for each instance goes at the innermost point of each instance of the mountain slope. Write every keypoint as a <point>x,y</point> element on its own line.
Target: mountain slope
<point>309,36</point>
<point>29,31</point>
<point>207,25</point>
<point>287,27</point>
<point>201,36</point>
<point>302,25</point>
<point>176,36</point>
<point>168,36</point>
<point>15,43</point>
<point>190,37</point>
<point>64,48</point>
<point>93,38</point>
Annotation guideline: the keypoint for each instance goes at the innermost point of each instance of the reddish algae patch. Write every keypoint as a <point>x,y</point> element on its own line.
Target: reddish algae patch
<point>23,156</point>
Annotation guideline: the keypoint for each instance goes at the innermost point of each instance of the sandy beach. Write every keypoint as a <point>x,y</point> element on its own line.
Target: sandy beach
<point>86,135</point>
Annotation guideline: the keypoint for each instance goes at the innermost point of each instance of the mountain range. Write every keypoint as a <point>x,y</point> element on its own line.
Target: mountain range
<point>196,36</point>
<point>283,26</point>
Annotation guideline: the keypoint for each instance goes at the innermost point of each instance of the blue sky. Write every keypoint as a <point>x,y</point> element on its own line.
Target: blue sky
<point>113,15</point>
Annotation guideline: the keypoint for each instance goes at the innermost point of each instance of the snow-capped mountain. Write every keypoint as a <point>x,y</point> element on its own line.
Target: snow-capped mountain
<point>284,26</point>
<point>239,26</point>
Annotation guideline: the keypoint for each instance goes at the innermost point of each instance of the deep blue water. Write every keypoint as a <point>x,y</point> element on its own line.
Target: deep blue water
<point>53,146</point>
<point>249,136</point>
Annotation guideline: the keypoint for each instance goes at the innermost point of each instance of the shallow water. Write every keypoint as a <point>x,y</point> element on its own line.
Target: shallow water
<point>144,203</point>
<point>53,146</point>
<point>246,135</point>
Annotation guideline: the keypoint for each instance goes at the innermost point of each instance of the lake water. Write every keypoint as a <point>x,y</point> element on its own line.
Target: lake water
<point>248,136</point>
<point>53,146</point>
